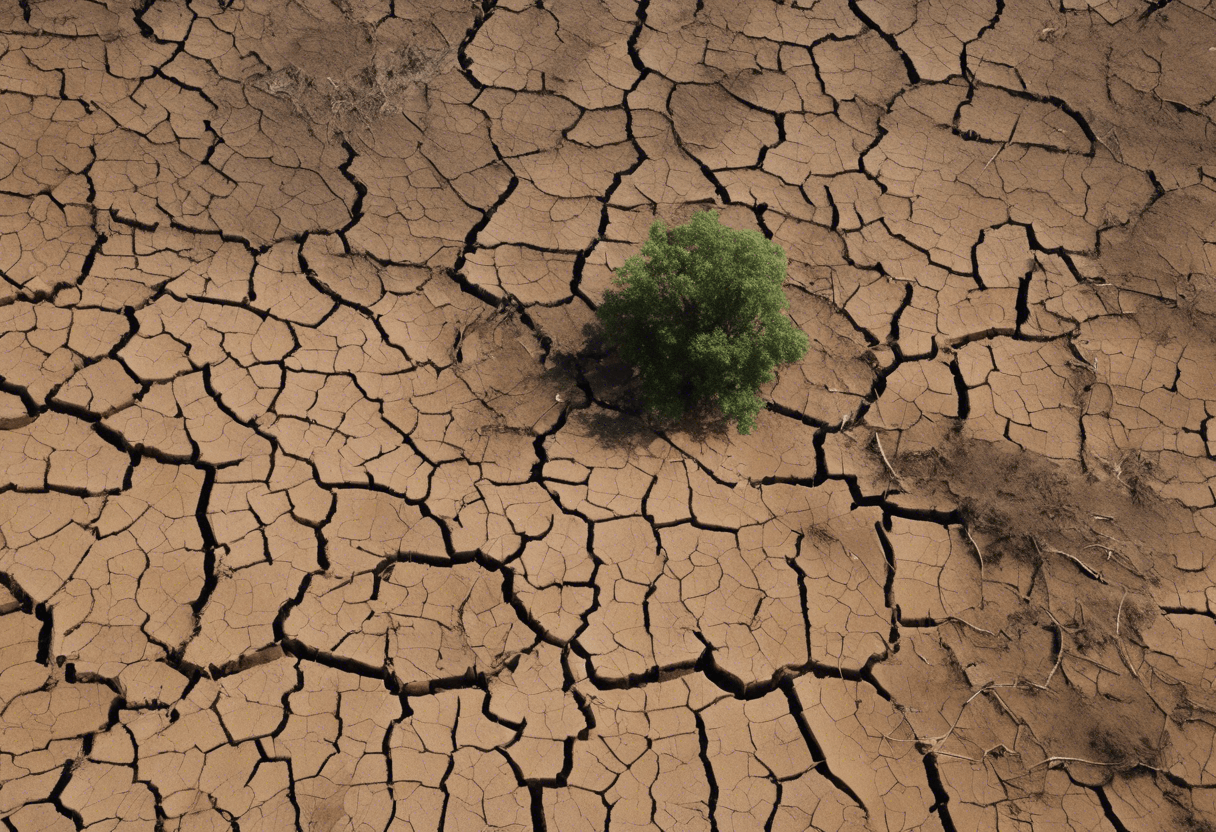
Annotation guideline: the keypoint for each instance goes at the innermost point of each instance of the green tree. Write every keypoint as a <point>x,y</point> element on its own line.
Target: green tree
<point>702,319</point>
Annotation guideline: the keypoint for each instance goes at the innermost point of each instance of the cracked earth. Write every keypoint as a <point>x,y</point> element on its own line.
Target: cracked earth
<point>322,506</point>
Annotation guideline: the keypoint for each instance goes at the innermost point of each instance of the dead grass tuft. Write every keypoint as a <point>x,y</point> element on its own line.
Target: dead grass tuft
<point>341,102</point>
<point>1135,471</point>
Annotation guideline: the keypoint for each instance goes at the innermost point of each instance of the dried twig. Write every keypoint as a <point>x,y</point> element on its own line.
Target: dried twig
<point>1119,614</point>
<point>1120,558</point>
<point>1012,131</point>
<point>1094,662</point>
<point>1126,661</point>
<point>934,741</point>
<point>1056,621</point>
<point>955,756</point>
<point>979,554</point>
<point>1097,576</point>
<point>1119,640</point>
<point>1053,760</point>
<point>1059,660</point>
<point>894,476</point>
<point>971,626</point>
<point>1109,537</point>
<point>994,155</point>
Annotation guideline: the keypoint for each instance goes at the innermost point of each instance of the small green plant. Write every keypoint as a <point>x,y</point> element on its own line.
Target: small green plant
<point>702,319</point>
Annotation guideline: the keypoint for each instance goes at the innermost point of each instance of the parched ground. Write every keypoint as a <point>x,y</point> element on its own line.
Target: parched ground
<point>323,507</point>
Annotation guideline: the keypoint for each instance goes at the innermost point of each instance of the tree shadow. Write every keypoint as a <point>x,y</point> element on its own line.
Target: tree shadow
<point>629,428</point>
<point>596,341</point>
<point>573,363</point>
<point>700,423</point>
<point>618,429</point>
<point>621,420</point>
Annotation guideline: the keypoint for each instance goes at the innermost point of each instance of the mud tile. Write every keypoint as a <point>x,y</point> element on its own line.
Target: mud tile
<point>367,527</point>
<point>282,289</point>
<point>48,142</point>
<point>643,758</point>
<point>667,174</point>
<point>100,791</point>
<point>355,279</point>
<point>616,635</point>
<point>750,743</point>
<point>573,171</point>
<point>250,702</point>
<point>827,385</point>
<point>409,216</point>
<point>532,694</point>
<point>721,506</point>
<point>461,609</point>
<point>19,656</point>
<point>100,388</point>
<point>524,273</point>
<point>556,573</point>
<point>155,421</point>
<point>45,244</point>
<point>138,580</point>
<point>45,536</point>
<point>919,401</point>
<point>483,791</point>
<point>591,79</point>
<point>148,682</point>
<point>883,771</point>
<point>40,816</point>
<point>819,145</point>
<point>535,218</point>
<point>525,122</point>
<point>735,596</point>
<point>778,448</point>
<point>240,612</point>
<point>61,451</point>
<point>739,145</point>
<point>844,569</point>
<point>33,720</point>
<point>871,300</point>
<point>935,571</point>
<point>596,128</point>
<point>864,67</point>
<point>758,187</point>
<point>426,324</point>
<point>669,498</point>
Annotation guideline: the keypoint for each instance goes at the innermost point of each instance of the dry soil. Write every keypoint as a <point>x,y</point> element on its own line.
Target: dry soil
<point>323,506</point>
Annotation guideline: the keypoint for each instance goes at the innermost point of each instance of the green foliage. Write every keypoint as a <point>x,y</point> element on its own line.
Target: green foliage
<point>702,320</point>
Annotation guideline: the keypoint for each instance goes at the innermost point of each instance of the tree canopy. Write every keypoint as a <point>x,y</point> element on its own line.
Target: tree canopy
<point>699,313</point>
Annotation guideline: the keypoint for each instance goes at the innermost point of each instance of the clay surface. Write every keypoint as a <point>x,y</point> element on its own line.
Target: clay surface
<point>323,507</point>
